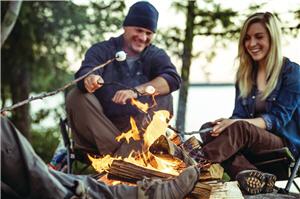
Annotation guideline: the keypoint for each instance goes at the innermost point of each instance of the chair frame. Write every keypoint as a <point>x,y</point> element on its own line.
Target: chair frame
<point>68,143</point>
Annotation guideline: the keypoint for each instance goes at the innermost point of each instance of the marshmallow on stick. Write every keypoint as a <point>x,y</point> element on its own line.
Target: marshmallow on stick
<point>120,56</point>
<point>150,90</point>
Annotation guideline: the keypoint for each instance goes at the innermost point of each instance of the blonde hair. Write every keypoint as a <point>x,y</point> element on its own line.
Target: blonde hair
<point>274,59</point>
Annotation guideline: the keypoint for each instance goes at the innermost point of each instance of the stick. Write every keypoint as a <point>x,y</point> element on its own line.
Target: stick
<point>43,95</point>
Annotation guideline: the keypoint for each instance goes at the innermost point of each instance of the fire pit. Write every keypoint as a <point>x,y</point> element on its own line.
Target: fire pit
<point>162,156</point>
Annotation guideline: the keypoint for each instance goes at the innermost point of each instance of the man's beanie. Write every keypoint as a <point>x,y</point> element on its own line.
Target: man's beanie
<point>142,14</point>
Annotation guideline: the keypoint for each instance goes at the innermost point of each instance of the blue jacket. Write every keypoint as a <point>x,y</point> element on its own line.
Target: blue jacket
<point>153,62</point>
<point>282,116</point>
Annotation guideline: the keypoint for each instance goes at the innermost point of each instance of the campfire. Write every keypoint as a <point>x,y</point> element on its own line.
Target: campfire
<point>157,127</point>
<point>160,156</point>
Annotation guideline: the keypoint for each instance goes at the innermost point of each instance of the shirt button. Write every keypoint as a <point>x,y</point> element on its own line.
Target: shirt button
<point>274,99</point>
<point>251,114</point>
<point>253,97</point>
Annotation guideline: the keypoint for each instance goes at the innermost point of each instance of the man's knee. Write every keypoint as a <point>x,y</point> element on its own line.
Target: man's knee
<point>78,99</point>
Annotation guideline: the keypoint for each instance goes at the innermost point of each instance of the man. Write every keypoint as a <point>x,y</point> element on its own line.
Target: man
<point>25,175</point>
<point>99,113</point>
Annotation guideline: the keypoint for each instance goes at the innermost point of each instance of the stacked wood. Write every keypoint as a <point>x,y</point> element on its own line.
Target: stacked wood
<point>191,143</point>
<point>128,172</point>
<point>214,172</point>
<point>201,191</point>
<point>164,148</point>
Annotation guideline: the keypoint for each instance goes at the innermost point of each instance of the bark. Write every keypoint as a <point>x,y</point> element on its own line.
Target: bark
<point>9,20</point>
<point>186,63</point>
<point>20,88</point>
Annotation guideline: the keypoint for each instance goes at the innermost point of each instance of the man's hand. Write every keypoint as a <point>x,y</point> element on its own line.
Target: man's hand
<point>122,96</point>
<point>91,83</point>
<point>220,125</point>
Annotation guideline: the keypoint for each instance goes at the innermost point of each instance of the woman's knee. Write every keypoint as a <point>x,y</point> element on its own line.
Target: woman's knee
<point>241,124</point>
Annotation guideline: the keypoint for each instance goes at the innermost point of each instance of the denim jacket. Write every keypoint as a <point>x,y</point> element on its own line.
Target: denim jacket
<point>282,116</point>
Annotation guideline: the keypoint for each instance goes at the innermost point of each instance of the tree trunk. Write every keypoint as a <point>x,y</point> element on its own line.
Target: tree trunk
<point>186,63</point>
<point>9,20</point>
<point>20,88</point>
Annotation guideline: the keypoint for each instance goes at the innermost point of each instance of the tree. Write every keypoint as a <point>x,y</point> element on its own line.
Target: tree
<point>34,55</point>
<point>200,19</point>
<point>9,20</point>
<point>203,18</point>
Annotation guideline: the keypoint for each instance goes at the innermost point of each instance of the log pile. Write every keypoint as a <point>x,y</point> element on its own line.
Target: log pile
<point>164,148</point>
<point>128,172</point>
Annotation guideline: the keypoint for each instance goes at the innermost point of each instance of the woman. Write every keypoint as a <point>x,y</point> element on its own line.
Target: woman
<point>266,115</point>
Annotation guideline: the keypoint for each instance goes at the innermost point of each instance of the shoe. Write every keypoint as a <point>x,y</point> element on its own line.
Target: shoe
<point>176,188</point>
<point>255,182</point>
<point>270,183</point>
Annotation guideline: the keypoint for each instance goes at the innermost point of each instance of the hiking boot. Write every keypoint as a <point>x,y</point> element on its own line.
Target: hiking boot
<point>176,188</point>
<point>255,182</point>
<point>270,183</point>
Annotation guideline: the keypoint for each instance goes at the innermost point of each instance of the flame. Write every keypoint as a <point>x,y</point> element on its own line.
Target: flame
<point>133,133</point>
<point>157,127</point>
<point>140,105</point>
<point>102,164</point>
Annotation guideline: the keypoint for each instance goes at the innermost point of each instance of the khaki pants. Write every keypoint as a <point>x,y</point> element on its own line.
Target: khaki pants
<point>93,132</point>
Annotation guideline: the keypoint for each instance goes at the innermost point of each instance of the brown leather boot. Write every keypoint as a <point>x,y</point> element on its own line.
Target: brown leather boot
<point>255,182</point>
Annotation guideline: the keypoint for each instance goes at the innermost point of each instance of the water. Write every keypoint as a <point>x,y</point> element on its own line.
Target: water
<point>206,103</point>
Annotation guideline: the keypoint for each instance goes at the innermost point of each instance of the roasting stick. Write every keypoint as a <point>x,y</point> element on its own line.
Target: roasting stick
<point>120,56</point>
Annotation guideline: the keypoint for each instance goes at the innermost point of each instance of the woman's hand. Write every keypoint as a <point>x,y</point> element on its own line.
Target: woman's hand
<point>220,125</point>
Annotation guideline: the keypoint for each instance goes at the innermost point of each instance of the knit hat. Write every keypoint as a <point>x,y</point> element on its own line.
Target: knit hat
<point>142,14</point>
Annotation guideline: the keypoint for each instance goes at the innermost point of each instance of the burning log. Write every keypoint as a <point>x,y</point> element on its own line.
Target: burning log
<point>165,149</point>
<point>128,172</point>
<point>191,143</point>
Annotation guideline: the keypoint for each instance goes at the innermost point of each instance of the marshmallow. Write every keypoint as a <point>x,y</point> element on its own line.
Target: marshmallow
<point>150,90</point>
<point>120,56</point>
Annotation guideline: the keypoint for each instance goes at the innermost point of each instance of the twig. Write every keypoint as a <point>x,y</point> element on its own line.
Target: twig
<point>43,95</point>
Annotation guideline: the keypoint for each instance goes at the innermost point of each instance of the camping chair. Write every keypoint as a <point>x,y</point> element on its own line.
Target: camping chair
<point>291,180</point>
<point>72,154</point>
<point>280,162</point>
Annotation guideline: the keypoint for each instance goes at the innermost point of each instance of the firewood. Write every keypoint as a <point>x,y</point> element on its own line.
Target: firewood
<point>214,172</point>
<point>163,148</point>
<point>201,191</point>
<point>128,170</point>
<point>191,143</point>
